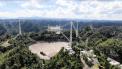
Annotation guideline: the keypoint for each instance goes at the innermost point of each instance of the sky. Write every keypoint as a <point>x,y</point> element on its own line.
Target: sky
<point>72,9</point>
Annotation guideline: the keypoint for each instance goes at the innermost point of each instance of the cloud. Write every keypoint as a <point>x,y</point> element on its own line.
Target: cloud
<point>31,3</point>
<point>80,9</point>
<point>1,4</point>
<point>101,10</point>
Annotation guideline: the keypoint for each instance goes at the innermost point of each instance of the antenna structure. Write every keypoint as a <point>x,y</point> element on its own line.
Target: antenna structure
<point>4,25</point>
<point>20,31</point>
<point>72,26</point>
<point>77,30</point>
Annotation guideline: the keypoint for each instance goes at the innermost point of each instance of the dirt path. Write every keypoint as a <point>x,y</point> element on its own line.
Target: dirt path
<point>85,65</point>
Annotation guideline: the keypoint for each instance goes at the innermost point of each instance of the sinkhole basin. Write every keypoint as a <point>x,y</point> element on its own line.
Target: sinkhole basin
<point>46,50</point>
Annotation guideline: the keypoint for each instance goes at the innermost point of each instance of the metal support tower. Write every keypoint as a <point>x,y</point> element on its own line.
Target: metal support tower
<point>20,32</point>
<point>4,24</point>
<point>77,30</point>
<point>71,23</point>
<point>91,27</point>
<point>86,42</point>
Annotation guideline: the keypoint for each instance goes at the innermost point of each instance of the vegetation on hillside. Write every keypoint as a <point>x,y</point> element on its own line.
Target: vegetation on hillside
<point>105,41</point>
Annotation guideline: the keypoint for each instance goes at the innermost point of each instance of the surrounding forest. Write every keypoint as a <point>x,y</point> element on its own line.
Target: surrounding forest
<point>105,38</point>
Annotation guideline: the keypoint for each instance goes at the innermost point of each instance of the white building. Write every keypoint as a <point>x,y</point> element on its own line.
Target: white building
<point>57,29</point>
<point>112,61</point>
<point>89,53</point>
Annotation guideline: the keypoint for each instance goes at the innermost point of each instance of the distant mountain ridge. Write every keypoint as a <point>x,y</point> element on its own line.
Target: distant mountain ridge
<point>37,25</point>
